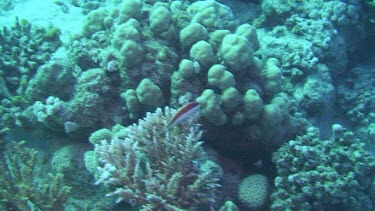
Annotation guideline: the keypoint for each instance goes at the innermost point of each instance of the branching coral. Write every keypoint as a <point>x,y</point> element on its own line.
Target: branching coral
<point>159,169</point>
<point>24,185</point>
<point>24,48</point>
<point>25,74</point>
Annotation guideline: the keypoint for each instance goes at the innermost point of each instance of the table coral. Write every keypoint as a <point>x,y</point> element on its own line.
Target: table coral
<point>318,174</point>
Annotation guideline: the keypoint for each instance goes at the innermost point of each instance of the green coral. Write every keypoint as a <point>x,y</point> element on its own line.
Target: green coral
<point>94,22</point>
<point>210,107</point>
<point>307,180</point>
<point>52,33</point>
<point>24,184</point>
<point>229,206</point>
<point>149,93</point>
<point>25,47</point>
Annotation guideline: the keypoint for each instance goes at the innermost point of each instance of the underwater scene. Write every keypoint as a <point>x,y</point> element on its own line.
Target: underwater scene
<point>182,105</point>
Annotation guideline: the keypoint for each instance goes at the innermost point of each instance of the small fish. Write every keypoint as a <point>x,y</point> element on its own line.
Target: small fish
<point>183,113</point>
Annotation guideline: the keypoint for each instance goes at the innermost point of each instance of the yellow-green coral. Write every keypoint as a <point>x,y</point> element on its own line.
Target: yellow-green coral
<point>24,184</point>
<point>52,33</point>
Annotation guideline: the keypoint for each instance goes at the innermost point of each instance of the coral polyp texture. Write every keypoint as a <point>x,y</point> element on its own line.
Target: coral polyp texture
<point>160,169</point>
<point>315,173</point>
<point>254,191</point>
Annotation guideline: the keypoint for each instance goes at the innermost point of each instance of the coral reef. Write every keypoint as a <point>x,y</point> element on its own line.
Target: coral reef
<point>311,40</point>
<point>24,184</point>
<point>146,55</point>
<point>159,169</point>
<point>76,107</point>
<point>341,13</point>
<point>354,96</point>
<point>254,191</point>
<point>259,81</point>
<point>319,174</point>
<point>24,48</point>
<point>25,72</point>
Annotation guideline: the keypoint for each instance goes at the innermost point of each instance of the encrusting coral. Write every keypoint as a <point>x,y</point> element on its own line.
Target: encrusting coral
<point>312,40</point>
<point>354,96</point>
<point>24,184</point>
<point>315,174</point>
<point>160,169</point>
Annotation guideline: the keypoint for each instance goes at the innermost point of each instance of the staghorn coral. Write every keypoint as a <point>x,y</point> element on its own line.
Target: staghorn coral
<point>160,170</point>
<point>316,174</point>
<point>26,72</point>
<point>25,47</point>
<point>24,185</point>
